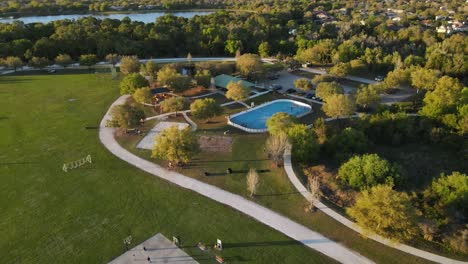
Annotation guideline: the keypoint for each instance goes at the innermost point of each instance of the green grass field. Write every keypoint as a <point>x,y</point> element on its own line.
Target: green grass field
<point>49,216</point>
<point>275,190</point>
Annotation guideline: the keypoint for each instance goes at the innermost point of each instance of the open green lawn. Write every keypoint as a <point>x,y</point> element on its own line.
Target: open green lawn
<point>275,190</point>
<point>49,216</point>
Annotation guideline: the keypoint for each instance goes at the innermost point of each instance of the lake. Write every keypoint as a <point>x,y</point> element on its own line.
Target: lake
<point>141,17</point>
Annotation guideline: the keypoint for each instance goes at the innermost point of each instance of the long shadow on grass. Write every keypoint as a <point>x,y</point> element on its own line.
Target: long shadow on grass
<point>274,243</point>
<point>195,161</point>
<point>277,194</point>
<point>209,174</point>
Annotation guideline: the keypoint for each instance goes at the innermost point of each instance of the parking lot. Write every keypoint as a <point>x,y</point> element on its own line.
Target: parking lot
<point>286,80</point>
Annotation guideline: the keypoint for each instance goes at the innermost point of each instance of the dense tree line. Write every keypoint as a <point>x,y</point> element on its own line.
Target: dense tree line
<point>352,42</point>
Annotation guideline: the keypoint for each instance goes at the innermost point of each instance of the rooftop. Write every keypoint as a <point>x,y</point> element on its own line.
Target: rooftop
<point>223,80</point>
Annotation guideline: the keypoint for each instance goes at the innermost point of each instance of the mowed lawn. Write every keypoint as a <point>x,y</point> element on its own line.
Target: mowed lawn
<point>275,191</point>
<point>49,216</point>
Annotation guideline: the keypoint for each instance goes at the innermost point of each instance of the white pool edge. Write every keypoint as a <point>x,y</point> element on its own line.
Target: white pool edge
<point>252,130</point>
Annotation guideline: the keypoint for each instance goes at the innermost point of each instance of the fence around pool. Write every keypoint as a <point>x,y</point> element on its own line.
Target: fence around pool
<point>264,130</point>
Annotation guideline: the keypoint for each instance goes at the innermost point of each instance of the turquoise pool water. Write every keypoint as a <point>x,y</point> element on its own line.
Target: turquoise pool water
<point>256,118</point>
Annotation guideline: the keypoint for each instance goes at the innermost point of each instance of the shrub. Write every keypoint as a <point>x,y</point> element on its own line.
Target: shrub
<point>368,170</point>
<point>386,212</point>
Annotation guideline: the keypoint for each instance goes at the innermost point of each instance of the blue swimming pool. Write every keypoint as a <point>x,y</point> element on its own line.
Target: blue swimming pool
<point>254,119</point>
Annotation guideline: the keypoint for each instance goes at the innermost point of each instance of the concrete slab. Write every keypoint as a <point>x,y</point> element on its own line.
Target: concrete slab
<point>159,249</point>
<point>148,141</point>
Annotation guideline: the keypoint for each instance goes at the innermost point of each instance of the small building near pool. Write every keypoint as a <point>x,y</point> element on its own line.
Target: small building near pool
<point>222,81</point>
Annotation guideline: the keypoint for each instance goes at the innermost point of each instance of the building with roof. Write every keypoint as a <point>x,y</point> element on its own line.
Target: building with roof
<point>222,81</point>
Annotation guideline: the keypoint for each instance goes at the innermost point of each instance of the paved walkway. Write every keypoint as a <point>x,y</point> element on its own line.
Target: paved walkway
<point>190,121</point>
<point>159,249</point>
<point>266,216</point>
<point>345,221</point>
<point>205,95</point>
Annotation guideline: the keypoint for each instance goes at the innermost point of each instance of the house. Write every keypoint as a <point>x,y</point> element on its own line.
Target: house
<point>427,23</point>
<point>323,16</point>
<point>459,26</point>
<point>444,29</point>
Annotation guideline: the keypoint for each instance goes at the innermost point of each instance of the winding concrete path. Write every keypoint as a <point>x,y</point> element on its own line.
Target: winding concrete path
<point>278,222</point>
<point>350,224</point>
<point>190,121</point>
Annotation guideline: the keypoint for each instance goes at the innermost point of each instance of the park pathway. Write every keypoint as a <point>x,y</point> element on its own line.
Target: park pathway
<point>350,224</point>
<point>266,216</point>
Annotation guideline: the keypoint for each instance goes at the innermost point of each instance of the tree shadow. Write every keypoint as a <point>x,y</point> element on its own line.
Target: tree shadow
<point>198,161</point>
<point>209,174</point>
<point>277,194</point>
<point>17,163</point>
<point>276,243</point>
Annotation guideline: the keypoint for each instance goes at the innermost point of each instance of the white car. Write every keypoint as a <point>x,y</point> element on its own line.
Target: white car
<point>378,78</point>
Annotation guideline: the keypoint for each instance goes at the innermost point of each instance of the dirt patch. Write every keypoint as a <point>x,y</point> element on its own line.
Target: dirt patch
<point>195,91</point>
<point>329,186</point>
<point>215,143</point>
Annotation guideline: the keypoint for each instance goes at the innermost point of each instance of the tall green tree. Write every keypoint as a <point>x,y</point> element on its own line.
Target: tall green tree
<point>174,104</point>
<point>39,62</point>
<point>339,105</point>
<point>367,96</point>
<point>205,108</point>
<point>386,212</point>
<point>203,78</point>
<point>368,170</point>
<point>340,70</point>
<point>280,123</point>
<point>304,143</point>
<point>174,145</point>
<point>180,83</point>
<point>63,60</point>
<point>326,89</point>
<point>425,79</point>
<point>129,64</point>
<point>249,65</point>
<point>303,84</point>
<point>349,142</point>
<point>113,58</point>
<point>264,49</point>
<point>449,192</point>
<point>142,95</point>
<point>443,99</point>
<point>126,116</point>
<point>12,62</point>
<point>132,82</point>
<point>166,74</point>
<point>88,60</point>
<point>237,91</point>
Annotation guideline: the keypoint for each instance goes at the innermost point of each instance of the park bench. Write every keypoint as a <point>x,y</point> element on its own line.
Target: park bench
<point>219,259</point>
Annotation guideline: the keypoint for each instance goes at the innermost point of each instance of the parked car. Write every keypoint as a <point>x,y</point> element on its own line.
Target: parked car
<point>309,95</point>
<point>290,91</point>
<point>276,87</point>
<point>273,77</point>
<point>51,71</point>
<point>378,78</point>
